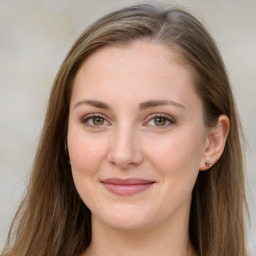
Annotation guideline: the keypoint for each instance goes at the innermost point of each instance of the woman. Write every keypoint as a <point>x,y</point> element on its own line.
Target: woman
<point>140,151</point>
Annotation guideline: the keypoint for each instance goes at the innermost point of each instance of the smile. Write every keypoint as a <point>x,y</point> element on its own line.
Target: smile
<point>127,186</point>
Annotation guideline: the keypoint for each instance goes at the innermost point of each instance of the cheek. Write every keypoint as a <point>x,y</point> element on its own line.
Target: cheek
<point>86,155</point>
<point>178,152</point>
<point>86,152</point>
<point>177,160</point>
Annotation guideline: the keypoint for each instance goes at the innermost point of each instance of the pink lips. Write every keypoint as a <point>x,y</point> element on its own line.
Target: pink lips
<point>126,186</point>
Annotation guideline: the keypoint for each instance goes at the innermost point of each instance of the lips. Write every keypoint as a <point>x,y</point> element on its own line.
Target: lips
<point>127,186</point>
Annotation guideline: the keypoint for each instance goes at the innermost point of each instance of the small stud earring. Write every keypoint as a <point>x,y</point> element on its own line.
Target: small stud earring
<point>66,148</point>
<point>66,151</point>
<point>208,163</point>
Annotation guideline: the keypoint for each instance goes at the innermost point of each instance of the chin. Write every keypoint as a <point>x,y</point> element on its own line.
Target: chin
<point>126,218</point>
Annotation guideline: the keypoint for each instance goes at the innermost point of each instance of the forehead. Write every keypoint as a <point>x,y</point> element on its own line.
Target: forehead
<point>139,50</point>
<point>140,70</point>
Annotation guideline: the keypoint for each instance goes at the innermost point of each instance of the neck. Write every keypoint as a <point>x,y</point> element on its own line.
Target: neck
<point>171,240</point>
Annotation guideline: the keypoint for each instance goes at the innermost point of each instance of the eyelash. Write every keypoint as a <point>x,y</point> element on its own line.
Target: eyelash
<point>85,120</point>
<point>165,117</point>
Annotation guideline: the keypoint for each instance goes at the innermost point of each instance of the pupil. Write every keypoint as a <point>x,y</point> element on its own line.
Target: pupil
<point>160,121</point>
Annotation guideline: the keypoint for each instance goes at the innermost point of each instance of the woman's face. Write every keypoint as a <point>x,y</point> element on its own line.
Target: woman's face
<point>136,136</point>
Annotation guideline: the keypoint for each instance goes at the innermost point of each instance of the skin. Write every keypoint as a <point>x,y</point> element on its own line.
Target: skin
<point>130,140</point>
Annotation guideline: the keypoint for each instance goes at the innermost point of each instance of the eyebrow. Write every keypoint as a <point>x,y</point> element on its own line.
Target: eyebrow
<point>142,106</point>
<point>156,103</point>
<point>94,103</point>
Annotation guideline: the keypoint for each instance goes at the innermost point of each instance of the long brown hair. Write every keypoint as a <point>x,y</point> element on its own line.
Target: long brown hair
<point>52,220</point>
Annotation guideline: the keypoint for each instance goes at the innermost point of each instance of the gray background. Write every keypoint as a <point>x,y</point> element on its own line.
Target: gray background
<point>36,35</point>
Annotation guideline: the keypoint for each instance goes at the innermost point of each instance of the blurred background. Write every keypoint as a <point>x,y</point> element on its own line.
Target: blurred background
<point>35,36</point>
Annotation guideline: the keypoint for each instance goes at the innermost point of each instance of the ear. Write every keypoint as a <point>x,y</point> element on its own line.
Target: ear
<point>215,143</point>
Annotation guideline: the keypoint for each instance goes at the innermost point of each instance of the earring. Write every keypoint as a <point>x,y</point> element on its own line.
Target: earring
<point>66,148</point>
<point>66,151</point>
<point>208,163</point>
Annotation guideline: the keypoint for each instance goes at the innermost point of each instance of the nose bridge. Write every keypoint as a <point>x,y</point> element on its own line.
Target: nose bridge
<point>124,148</point>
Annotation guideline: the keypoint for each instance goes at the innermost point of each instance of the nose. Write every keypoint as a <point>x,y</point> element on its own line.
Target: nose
<point>124,151</point>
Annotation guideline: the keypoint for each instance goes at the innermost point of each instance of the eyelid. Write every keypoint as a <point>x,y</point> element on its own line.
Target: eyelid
<point>170,119</point>
<point>85,118</point>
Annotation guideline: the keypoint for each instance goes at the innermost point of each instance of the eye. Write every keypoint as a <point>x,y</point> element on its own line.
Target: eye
<point>95,120</point>
<point>160,120</point>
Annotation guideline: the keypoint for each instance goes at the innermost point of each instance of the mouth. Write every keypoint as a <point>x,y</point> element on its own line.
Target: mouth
<point>127,186</point>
